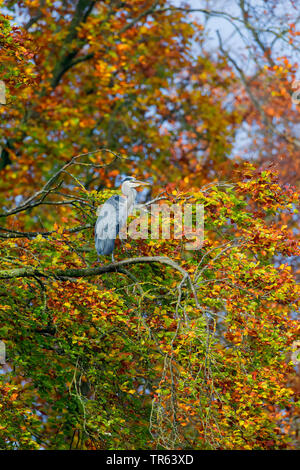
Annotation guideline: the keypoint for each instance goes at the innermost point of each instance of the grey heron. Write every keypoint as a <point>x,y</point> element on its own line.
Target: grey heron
<point>113,216</point>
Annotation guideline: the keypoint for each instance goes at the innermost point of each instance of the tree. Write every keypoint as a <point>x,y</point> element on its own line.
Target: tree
<point>167,347</point>
<point>260,40</point>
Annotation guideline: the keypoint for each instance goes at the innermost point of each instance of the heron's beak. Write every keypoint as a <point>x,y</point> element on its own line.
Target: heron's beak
<point>141,183</point>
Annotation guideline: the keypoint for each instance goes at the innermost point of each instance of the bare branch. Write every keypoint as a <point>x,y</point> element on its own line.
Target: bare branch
<point>16,234</point>
<point>39,197</point>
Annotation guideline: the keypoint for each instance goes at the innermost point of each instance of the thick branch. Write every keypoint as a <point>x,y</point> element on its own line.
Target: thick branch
<point>83,9</point>
<point>65,274</point>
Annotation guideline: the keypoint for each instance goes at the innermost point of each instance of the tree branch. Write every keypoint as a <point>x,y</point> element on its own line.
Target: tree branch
<point>66,274</point>
<point>82,11</point>
<point>16,234</point>
<point>39,197</point>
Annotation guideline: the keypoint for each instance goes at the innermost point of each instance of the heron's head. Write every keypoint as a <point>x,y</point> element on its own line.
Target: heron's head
<point>131,182</point>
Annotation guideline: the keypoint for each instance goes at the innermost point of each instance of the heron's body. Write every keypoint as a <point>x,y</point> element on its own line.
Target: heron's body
<point>113,216</point>
<point>104,239</point>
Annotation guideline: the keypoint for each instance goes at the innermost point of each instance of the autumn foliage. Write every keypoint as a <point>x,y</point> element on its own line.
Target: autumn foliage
<point>168,348</point>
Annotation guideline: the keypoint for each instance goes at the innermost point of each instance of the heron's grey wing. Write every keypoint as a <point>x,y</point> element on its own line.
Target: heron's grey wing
<point>107,226</point>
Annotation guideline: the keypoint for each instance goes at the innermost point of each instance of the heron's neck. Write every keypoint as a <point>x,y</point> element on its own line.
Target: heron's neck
<point>130,194</point>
